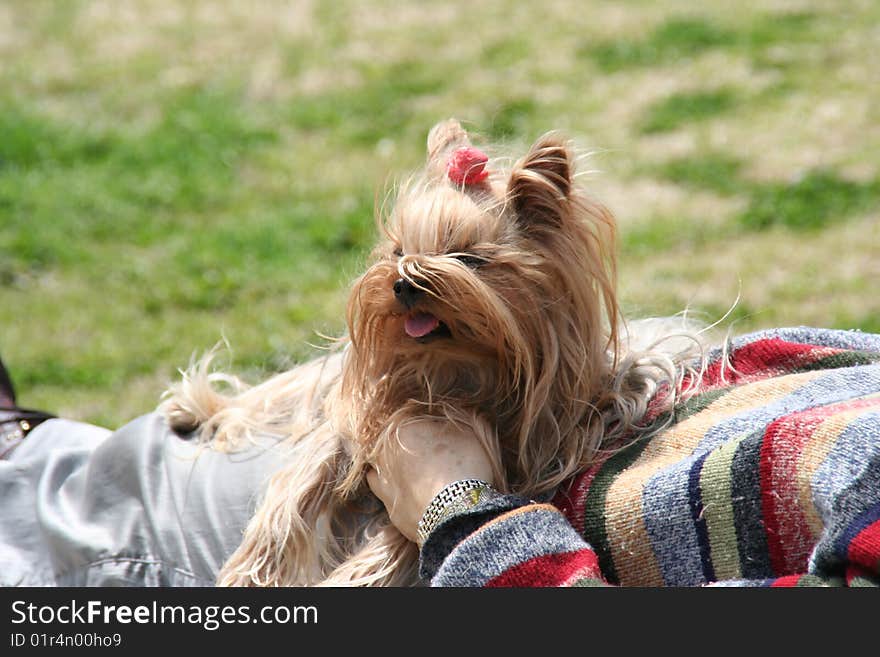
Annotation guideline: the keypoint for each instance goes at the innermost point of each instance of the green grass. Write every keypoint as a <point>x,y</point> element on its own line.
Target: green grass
<point>683,109</point>
<point>505,52</point>
<point>682,37</point>
<point>713,171</point>
<point>171,177</point>
<point>372,110</point>
<point>811,202</point>
<point>512,118</point>
<point>659,234</point>
<point>808,202</point>
<point>674,39</point>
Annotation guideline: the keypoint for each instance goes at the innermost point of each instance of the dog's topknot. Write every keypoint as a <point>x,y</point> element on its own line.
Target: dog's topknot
<point>444,138</point>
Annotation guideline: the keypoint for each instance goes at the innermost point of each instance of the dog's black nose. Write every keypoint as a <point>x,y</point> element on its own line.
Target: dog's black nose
<point>406,292</point>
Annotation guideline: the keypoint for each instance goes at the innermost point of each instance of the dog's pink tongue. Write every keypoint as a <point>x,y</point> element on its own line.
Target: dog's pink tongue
<point>420,325</point>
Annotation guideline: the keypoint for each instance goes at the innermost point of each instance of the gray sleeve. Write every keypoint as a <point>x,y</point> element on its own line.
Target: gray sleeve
<point>141,506</point>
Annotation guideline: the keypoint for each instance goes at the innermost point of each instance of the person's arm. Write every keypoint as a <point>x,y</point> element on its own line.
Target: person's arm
<point>488,539</point>
<point>509,541</point>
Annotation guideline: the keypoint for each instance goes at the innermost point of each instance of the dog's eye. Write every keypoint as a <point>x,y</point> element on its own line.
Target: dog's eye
<point>398,252</point>
<point>471,261</point>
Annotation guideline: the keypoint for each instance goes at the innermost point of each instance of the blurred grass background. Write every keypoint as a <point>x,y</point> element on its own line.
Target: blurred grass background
<point>175,172</point>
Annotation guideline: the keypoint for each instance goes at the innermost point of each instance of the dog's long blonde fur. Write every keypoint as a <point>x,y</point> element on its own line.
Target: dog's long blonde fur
<point>518,274</point>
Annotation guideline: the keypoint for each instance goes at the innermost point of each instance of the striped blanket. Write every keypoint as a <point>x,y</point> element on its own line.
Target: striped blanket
<point>769,476</point>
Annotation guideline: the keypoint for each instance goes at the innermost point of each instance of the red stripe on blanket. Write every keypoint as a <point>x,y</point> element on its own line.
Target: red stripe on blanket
<point>789,539</point>
<point>864,550</point>
<point>551,570</point>
<point>765,358</point>
<point>855,573</point>
<point>787,581</point>
<point>571,499</point>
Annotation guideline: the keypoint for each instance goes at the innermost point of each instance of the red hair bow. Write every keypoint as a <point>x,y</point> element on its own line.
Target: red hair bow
<point>466,166</point>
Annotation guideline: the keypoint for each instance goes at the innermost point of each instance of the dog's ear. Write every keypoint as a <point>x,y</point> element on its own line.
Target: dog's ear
<point>444,138</point>
<point>541,182</point>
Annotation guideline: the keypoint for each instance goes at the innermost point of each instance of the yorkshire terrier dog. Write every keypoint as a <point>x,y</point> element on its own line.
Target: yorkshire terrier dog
<point>490,302</point>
